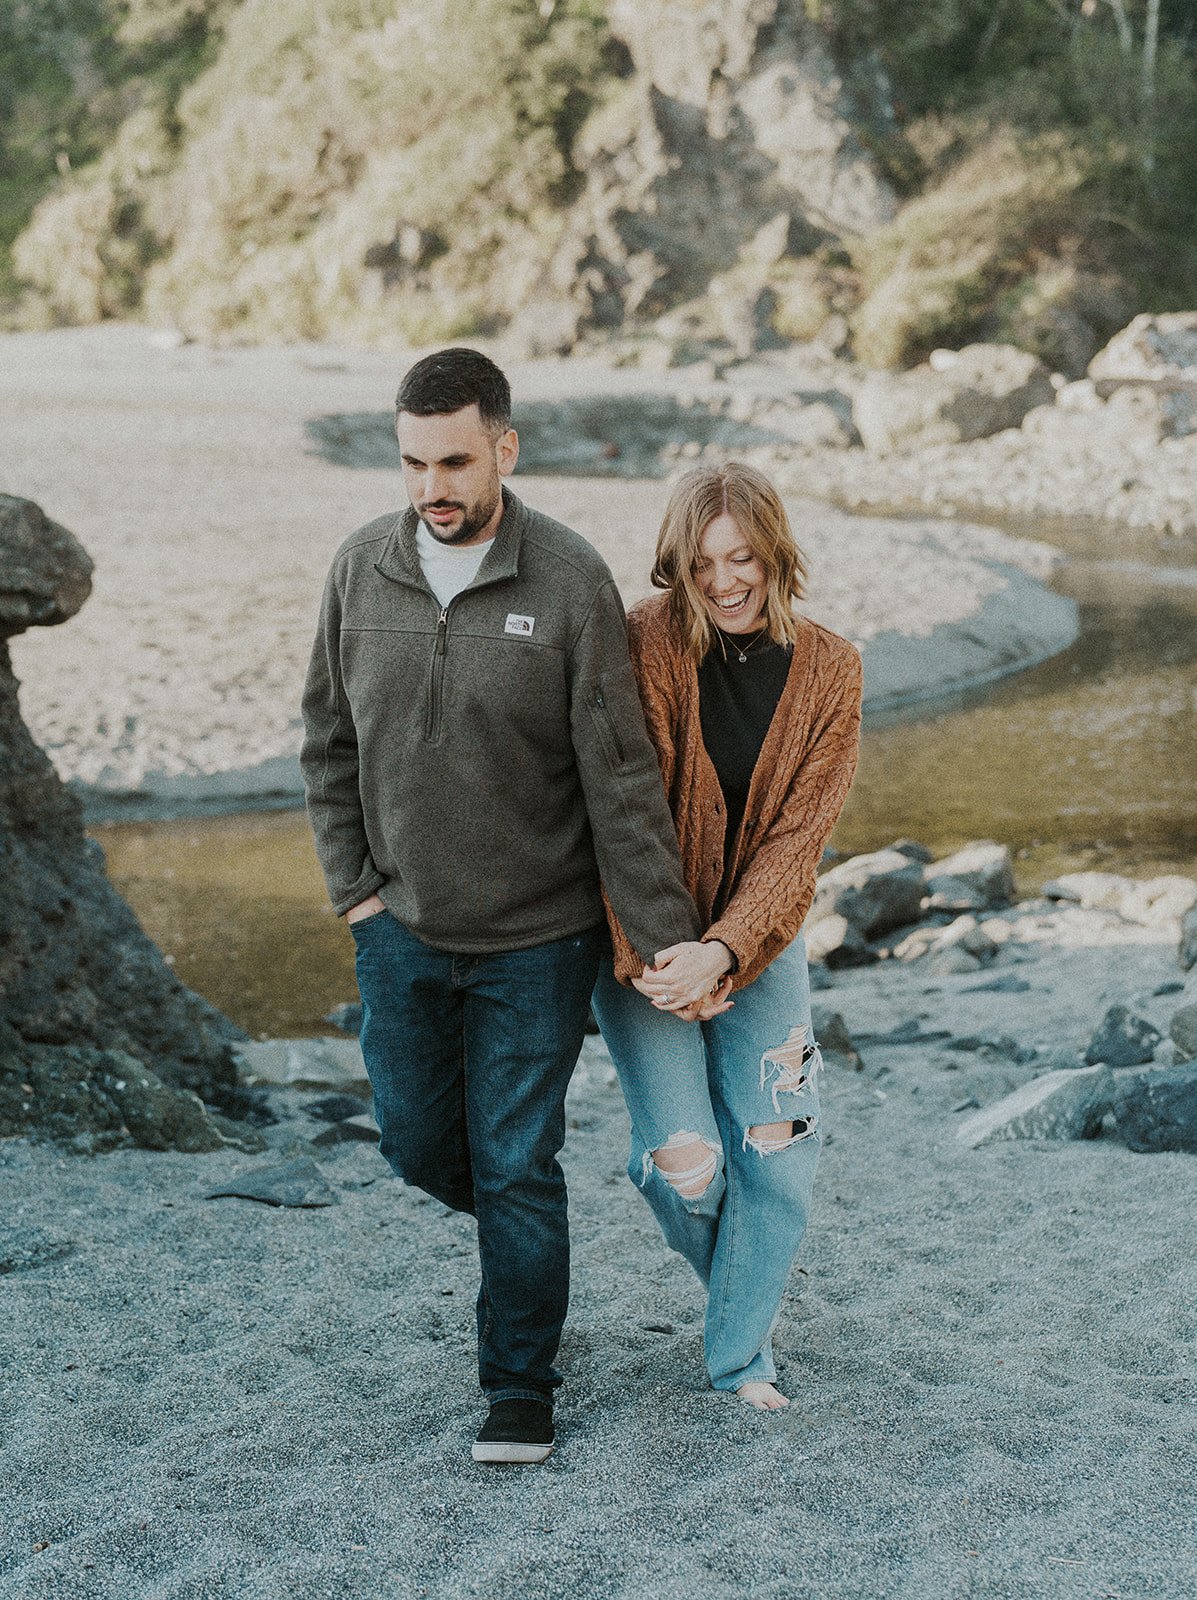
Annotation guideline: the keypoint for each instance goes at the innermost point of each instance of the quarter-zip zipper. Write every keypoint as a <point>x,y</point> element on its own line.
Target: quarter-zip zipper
<point>600,705</point>
<point>432,727</point>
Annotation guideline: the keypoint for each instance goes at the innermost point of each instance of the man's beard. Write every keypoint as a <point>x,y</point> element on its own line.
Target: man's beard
<point>473,521</point>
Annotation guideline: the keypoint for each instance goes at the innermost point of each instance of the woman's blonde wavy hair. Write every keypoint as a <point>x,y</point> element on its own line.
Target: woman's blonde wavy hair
<point>755,506</point>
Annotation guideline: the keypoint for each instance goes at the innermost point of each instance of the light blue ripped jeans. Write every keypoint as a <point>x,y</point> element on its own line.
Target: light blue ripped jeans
<point>701,1087</point>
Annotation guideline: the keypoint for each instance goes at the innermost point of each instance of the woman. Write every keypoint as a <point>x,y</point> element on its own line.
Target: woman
<point>755,715</point>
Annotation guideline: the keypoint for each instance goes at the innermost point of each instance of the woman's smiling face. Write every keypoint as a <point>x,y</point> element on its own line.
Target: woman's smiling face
<point>730,579</point>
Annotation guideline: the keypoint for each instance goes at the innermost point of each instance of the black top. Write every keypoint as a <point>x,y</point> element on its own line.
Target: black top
<point>736,702</point>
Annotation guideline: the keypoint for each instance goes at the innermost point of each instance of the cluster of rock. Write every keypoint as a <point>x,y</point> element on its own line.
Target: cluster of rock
<point>957,396</point>
<point>989,428</point>
<point>901,902</point>
<point>331,1069</point>
<point>1154,1108</point>
<point>1152,1104</point>
<point>986,429</point>
<point>1155,902</point>
<point>956,916</point>
<point>1148,1083</point>
<point>100,1044</point>
<point>1142,384</point>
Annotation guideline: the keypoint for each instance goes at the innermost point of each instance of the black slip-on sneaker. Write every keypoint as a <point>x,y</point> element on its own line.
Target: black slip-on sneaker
<point>516,1431</point>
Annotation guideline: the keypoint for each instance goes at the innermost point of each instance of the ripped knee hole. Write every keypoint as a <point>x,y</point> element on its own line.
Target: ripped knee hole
<point>687,1162</point>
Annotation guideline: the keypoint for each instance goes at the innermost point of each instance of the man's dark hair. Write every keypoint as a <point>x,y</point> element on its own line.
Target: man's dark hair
<point>450,379</point>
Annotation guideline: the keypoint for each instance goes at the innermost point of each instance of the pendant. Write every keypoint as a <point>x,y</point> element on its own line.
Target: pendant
<point>743,651</point>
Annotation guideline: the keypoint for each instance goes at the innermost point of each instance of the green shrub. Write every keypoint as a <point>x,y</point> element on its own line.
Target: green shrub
<point>930,276</point>
<point>318,134</point>
<point>168,22</point>
<point>76,77</point>
<point>1053,199</point>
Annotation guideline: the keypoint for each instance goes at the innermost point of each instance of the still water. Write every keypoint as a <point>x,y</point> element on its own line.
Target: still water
<point>1089,760</point>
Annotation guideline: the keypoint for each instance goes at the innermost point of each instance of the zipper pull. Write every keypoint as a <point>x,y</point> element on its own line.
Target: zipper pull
<point>600,704</point>
<point>442,628</point>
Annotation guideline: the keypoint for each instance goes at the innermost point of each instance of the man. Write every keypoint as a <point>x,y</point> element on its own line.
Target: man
<point>475,757</point>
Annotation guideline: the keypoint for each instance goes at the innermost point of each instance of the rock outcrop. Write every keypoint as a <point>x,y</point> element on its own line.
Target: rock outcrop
<point>1151,349</point>
<point>99,1041</point>
<point>734,147</point>
<point>958,396</point>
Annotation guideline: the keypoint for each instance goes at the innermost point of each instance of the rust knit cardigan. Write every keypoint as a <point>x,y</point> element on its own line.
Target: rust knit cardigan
<point>799,785</point>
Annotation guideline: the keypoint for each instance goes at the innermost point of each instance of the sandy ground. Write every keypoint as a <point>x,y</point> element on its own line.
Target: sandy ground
<point>192,478</point>
<point>991,1355</point>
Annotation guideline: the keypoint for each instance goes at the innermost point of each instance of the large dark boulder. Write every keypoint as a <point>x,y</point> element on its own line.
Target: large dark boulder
<point>86,1001</point>
<point>875,893</point>
<point>1156,1108</point>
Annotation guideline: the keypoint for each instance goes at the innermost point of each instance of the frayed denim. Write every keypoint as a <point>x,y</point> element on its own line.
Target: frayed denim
<point>738,1210</point>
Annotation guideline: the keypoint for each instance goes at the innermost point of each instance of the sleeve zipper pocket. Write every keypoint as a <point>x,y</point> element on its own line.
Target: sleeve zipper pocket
<point>601,706</point>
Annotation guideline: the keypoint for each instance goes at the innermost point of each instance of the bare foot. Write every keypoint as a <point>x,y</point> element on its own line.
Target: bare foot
<point>763,1396</point>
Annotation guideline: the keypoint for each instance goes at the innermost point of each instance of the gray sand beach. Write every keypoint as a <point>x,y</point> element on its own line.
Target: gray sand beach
<point>990,1352</point>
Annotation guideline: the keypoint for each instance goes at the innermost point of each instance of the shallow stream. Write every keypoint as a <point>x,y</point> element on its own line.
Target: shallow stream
<point>1089,760</point>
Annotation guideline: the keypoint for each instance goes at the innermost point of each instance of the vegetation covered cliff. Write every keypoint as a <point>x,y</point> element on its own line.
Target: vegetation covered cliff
<point>897,174</point>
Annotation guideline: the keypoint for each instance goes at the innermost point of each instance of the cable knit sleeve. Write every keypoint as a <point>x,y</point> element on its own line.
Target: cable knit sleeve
<point>656,679</point>
<point>657,686</point>
<point>777,884</point>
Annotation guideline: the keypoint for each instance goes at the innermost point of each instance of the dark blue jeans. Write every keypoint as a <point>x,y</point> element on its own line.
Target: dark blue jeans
<point>469,1058</point>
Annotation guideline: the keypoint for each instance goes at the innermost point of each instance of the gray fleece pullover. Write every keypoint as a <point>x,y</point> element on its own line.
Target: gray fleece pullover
<point>480,766</point>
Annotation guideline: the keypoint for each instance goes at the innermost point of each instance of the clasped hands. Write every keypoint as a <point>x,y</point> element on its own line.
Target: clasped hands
<point>690,980</point>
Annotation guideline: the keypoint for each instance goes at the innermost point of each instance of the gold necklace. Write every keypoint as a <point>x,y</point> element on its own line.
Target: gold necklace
<point>742,651</point>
